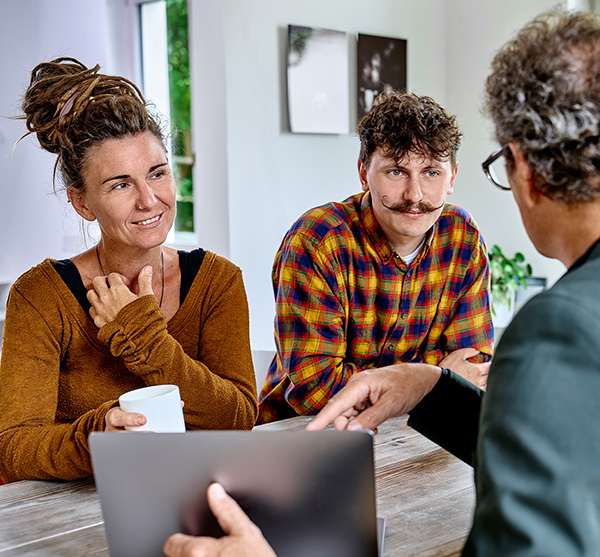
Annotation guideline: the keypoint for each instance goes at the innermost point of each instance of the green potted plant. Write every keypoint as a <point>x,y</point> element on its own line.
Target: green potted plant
<point>507,274</point>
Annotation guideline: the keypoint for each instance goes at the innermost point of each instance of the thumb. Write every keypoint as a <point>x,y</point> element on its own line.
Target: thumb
<point>373,416</point>
<point>232,519</point>
<point>145,281</point>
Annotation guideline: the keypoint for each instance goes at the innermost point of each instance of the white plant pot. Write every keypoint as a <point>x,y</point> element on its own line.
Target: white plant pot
<point>504,313</point>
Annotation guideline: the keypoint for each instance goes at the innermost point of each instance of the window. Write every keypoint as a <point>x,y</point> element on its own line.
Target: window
<point>165,68</point>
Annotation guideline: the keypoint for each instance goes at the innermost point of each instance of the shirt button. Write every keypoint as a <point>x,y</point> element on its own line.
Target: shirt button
<point>390,346</point>
<point>404,316</point>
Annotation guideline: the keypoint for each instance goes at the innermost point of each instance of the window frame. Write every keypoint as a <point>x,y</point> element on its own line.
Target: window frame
<point>206,22</point>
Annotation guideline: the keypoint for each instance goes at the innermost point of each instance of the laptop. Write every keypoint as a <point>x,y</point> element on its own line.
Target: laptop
<point>311,493</point>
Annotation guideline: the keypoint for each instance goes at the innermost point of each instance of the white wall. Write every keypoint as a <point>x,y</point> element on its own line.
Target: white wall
<point>470,48</point>
<point>209,125</point>
<point>34,223</point>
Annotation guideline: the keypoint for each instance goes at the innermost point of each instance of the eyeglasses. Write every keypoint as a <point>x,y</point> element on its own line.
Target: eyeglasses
<point>495,169</point>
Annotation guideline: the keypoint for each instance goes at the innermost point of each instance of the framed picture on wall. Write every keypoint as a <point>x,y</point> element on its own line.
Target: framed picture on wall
<point>317,80</point>
<point>381,64</point>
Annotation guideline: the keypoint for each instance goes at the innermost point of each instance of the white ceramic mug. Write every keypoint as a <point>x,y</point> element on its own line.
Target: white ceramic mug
<point>160,404</point>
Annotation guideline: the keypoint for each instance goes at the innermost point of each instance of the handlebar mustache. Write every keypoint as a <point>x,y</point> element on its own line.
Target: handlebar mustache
<point>408,207</point>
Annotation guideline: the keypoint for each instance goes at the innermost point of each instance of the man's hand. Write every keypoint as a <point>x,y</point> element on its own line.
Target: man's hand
<point>458,362</point>
<point>111,294</point>
<point>243,536</point>
<point>372,396</point>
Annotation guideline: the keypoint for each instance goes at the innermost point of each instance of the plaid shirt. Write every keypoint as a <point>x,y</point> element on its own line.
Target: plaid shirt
<point>346,302</point>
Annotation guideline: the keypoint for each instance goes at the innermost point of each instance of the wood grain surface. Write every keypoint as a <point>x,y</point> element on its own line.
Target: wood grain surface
<point>425,494</point>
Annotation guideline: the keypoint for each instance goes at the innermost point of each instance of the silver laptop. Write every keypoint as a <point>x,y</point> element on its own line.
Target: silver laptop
<point>311,493</point>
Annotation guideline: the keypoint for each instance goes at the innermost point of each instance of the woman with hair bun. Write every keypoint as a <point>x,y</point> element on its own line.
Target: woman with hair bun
<point>126,313</point>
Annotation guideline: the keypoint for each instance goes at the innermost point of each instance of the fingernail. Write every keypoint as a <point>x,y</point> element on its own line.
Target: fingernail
<point>140,420</point>
<point>218,491</point>
<point>354,425</point>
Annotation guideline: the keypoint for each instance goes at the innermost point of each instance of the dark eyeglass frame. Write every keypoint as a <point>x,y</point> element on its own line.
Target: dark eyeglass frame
<point>489,161</point>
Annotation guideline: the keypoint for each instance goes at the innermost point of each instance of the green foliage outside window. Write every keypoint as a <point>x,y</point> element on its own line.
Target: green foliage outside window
<point>180,95</point>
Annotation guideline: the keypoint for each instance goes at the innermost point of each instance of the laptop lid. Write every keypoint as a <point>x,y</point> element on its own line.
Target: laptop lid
<point>311,493</point>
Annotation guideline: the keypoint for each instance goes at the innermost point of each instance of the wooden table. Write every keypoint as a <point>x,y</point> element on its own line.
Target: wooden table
<point>425,494</point>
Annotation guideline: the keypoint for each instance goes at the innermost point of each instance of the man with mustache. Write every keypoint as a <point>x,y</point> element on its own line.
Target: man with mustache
<point>391,275</point>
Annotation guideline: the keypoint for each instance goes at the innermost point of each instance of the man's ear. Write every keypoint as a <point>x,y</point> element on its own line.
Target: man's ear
<point>523,177</point>
<point>452,179</point>
<point>362,175</point>
<point>78,200</point>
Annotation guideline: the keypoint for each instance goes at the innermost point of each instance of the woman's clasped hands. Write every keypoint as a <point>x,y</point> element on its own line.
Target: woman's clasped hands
<point>111,294</point>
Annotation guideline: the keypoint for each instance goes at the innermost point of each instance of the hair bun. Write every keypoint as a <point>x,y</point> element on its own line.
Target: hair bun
<point>60,92</point>
<point>71,108</point>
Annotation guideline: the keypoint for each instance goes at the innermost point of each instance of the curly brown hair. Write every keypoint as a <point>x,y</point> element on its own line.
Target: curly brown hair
<point>543,93</point>
<point>71,108</point>
<point>400,122</point>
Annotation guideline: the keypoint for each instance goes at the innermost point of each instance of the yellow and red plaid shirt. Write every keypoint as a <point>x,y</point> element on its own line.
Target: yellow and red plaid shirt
<point>346,302</point>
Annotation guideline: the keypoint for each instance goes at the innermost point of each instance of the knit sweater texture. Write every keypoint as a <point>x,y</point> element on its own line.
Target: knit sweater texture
<point>60,374</point>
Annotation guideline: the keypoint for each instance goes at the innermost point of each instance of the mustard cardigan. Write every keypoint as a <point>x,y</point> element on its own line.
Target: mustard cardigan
<point>59,374</point>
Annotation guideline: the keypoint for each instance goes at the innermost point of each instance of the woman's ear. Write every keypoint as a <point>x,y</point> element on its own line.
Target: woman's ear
<point>78,199</point>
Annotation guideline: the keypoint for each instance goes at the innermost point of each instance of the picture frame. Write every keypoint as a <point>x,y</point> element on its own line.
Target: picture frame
<point>317,80</point>
<point>381,64</point>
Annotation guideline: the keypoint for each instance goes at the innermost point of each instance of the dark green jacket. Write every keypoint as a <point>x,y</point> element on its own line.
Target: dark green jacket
<point>538,445</point>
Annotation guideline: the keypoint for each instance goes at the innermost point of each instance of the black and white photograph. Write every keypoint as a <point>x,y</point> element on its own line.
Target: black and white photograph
<point>381,64</point>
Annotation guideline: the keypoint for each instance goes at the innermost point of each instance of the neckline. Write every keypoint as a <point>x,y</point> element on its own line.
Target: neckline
<point>85,321</point>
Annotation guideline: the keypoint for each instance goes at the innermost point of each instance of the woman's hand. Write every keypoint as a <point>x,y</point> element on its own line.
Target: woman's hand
<point>109,295</point>
<point>116,419</point>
